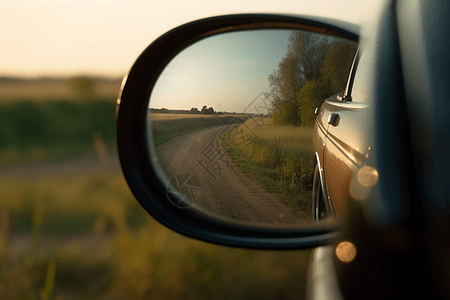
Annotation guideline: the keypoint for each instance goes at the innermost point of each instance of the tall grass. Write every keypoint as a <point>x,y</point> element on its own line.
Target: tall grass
<point>134,260</point>
<point>279,157</point>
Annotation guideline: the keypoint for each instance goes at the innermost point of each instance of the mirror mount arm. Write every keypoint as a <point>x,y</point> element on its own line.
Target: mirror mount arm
<point>344,99</point>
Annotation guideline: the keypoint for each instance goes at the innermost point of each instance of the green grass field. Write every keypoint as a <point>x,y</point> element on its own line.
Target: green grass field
<point>53,118</point>
<point>137,258</point>
<point>279,157</point>
<point>38,131</point>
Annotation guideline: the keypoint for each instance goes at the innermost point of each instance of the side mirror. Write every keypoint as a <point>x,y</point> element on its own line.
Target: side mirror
<point>199,134</point>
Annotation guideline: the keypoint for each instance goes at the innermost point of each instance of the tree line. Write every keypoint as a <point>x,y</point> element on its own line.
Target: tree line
<point>314,68</point>
<point>205,111</point>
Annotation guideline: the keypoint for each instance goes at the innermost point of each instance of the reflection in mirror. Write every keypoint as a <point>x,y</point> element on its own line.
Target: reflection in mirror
<point>231,119</point>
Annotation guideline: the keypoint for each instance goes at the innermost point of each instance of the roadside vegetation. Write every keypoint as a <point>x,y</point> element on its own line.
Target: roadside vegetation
<point>280,158</point>
<point>314,68</point>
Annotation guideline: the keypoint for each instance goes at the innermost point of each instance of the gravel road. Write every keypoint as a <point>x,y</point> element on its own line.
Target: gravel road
<point>225,190</point>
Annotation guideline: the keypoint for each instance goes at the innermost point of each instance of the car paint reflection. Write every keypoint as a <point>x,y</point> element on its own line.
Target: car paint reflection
<point>344,150</point>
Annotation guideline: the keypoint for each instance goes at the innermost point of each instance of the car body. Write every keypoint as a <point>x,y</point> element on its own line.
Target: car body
<point>342,144</point>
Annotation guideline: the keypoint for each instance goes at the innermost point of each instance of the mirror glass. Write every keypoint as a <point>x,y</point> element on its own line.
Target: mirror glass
<point>231,123</point>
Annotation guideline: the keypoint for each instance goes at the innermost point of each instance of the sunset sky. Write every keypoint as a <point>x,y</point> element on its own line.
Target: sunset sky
<point>104,37</point>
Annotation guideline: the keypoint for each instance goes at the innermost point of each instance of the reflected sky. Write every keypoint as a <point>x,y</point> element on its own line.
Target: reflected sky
<point>226,71</point>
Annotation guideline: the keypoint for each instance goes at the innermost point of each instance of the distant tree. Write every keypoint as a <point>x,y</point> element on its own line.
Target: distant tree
<point>207,111</point>
<point>83,87</point>
<point>194,110</point>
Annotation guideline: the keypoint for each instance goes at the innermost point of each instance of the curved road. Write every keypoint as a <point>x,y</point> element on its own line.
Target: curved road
<point>225,190</point>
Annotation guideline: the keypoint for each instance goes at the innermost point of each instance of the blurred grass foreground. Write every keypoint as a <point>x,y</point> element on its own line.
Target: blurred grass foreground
<point>73,230</point>
<point>85,237</point>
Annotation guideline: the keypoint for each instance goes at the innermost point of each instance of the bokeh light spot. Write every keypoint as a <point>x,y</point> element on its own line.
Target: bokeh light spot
<point>346,252</point>
<point>367,176</point>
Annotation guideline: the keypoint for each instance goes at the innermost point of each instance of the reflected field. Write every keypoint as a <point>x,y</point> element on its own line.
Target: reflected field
<point>247,171</point>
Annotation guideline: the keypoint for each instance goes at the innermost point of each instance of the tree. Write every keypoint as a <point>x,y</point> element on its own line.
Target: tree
<point>302,63</point>
<point>312,95</point>
<point>337,64</point>
<point>309,51</point>
<point>207,111</point>
<point>315,67</point>
<point>194,110</point>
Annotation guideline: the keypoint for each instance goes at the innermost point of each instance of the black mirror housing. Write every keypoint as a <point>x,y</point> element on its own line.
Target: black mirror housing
<point>139,171</point>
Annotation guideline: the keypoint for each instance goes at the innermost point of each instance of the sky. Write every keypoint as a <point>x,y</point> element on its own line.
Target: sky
<point>222,71</point>
<point>58,37</point>
<point>226,71</point>
<point>104,37</point>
